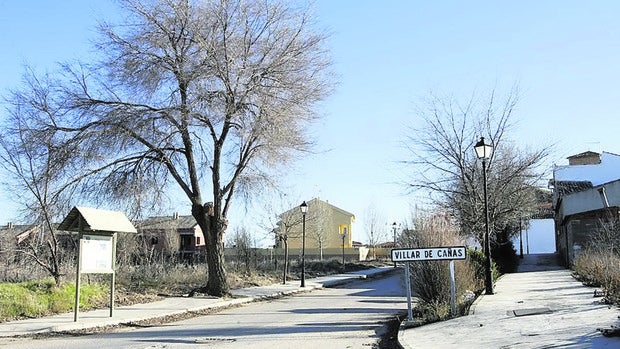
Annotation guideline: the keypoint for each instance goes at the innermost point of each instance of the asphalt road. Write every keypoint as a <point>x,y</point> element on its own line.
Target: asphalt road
<point>350,316</point>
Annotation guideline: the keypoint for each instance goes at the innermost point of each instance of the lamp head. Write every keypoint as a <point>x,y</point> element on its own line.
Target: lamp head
<point>483,149</point>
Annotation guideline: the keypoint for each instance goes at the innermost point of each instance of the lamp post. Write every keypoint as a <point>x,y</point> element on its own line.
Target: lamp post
<point>304,209</point>
<point>344,234</point>
<point>483,152</point>
<point>394,230</point>
<point>520,238</point>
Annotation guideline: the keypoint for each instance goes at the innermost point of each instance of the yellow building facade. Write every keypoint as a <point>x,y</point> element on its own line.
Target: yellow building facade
<point>327,227</point>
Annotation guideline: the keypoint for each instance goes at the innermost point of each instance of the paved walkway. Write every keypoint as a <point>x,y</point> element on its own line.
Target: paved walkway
<point>171,306</point>
<point>541,306</point>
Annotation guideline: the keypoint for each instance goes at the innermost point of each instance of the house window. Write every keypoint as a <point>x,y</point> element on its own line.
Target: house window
<point>186,240</point>
<point>197,240</point>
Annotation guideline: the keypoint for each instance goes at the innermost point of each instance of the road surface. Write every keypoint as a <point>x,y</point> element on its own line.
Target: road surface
<point>346,317</point>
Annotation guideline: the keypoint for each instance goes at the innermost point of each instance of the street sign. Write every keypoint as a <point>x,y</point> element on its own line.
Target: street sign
<point>446,253</point>
<point>429,254</point>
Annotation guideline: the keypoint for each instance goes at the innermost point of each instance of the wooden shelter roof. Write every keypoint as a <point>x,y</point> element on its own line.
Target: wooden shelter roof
<point>96,221</point>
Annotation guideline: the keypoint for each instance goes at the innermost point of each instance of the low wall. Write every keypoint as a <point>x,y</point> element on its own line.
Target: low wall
<point>350,254</point>
<point>356,254</point>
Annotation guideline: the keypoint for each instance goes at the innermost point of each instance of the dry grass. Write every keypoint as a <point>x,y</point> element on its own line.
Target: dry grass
<point>177,279</point>
<point>600,268</point>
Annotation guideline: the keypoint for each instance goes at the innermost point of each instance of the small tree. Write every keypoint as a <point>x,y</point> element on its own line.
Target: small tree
<point>244,246</point>
<point>375,228</point>
<point>318,224</point>
<point>35,166</point>
<point>285,230</point>
<point>606,237</point>
<point>283,226</point>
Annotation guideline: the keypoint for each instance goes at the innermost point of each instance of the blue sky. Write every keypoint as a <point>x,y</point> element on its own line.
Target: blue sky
<point>390,54</point>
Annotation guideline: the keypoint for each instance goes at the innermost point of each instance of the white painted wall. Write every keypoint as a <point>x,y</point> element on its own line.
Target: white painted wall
<point>540,237</point>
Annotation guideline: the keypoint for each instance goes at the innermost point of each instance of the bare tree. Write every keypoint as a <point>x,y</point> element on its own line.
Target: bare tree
<point>318,223</point>
<point>284,226</point>
<point>445,165</point>
<point>245,248</point>
<point>35,165</point>
<point>605,238</point>
<point>202,96</point>
<point>375,227</point>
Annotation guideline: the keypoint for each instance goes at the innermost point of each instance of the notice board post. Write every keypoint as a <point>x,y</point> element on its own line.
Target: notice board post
<point>449,253</point>
<point>97,244</point>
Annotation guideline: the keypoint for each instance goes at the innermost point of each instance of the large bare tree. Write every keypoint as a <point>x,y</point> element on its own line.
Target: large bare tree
<point>444,162</point>
<point>203,96</point>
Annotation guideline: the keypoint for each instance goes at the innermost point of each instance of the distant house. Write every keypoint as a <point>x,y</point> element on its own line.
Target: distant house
<point>18,237</point>
<point>327,226</point>
<point>586,194</point>
<point>173,234</point>
<point>387,244</point>
<point>14,235</point>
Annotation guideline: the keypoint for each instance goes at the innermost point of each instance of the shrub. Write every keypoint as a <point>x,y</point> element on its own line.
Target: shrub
<point>599,263</point>
<point>505,257</point>
<point>476,258</point>
<point>600,268</point>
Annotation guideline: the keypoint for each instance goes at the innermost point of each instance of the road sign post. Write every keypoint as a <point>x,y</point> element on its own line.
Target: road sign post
<point>446,253</point>
<point>409,310</point>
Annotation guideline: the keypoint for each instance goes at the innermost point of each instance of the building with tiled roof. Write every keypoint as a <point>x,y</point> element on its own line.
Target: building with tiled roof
<point>176,234</point>
<point>586,195</point>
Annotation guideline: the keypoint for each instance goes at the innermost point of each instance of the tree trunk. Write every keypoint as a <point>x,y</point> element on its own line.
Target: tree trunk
<point>217,284</point>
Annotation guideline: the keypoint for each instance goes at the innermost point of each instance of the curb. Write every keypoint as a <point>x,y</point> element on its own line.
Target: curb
<point>472,307</point>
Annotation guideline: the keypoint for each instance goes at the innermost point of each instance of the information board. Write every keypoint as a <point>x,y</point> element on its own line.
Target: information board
<point>97,254</point>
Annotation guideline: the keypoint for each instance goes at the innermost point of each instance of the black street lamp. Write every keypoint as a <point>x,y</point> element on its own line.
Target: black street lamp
<point>343,233</point>
<point>521,238</point>
<point>304,209</point>
<point>394,229</point>
<point>483,152</point>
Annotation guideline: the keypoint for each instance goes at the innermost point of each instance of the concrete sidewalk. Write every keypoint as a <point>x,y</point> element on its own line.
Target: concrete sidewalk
<point>172,306</point>
<point>541,306</point>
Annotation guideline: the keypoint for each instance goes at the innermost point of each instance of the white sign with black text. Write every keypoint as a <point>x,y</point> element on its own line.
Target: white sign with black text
<point>429,254</point>
<point>446,253</point>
